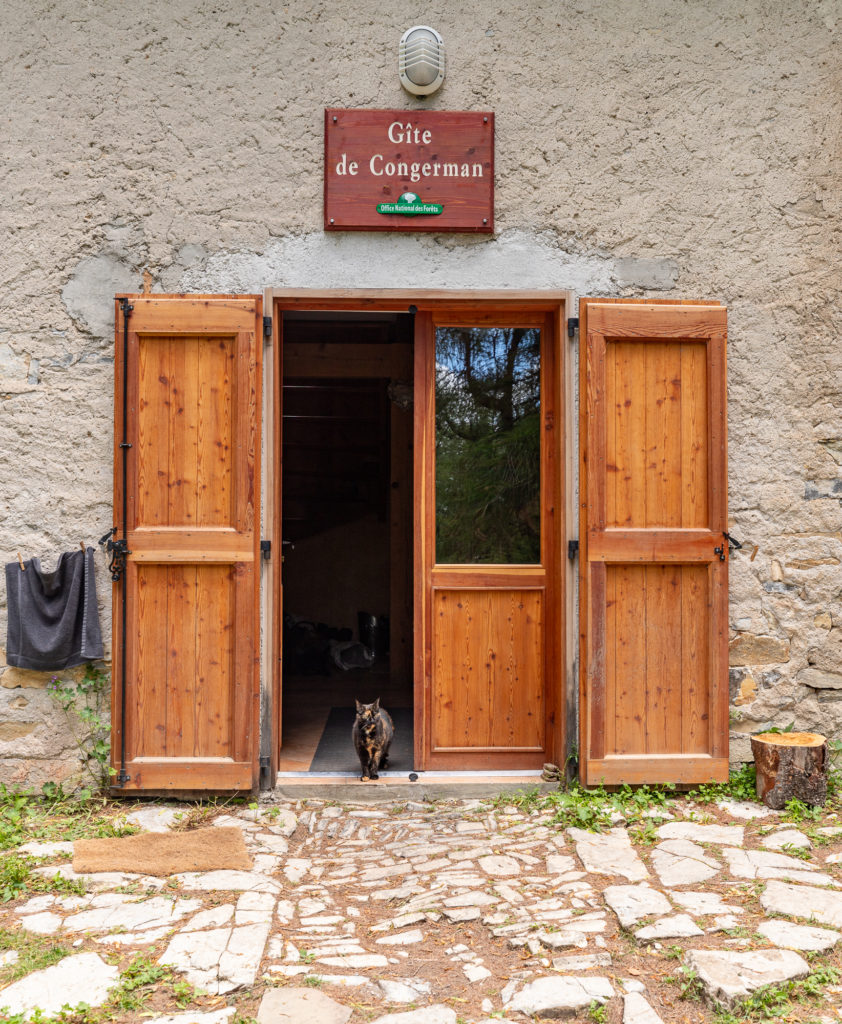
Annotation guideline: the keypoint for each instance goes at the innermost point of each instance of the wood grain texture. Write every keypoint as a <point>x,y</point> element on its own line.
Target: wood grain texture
<point>657,320</point>
<point>696,669</point>
<point>196,774</point>
<point>147,731</point>
<point>185,453</point>
<point>625,662</point>
<point>655,434</point>
<point>192,682</point>
<point>643,769</point>
<point>653,682</point>
<point>424,445</point>
<point>641,545</point>
<point>488,670</point>
<point>205,314</point>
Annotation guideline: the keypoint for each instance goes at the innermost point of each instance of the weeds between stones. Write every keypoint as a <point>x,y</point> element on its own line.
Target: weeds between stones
<point>776,1001</point>
<point>689,984</point>
<point>25,817</point>
<point>598,1012</point>
<point>139,981</point>
<point>34,952</point>
<point>796,811</point>
<point>199,814</point>
<point>796,851</point>
<point>17,880</point>
<point>596,809</point>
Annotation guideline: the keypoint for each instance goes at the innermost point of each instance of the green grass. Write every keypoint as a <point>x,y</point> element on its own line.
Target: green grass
<point>798,811</point>
<point>34,953</point>
<point>26,817</point>
<point>689,984</point>
<point>591,809</point>
<point>796,851</point>
<point>18,880</point>
<point>597,1012</point>
<point>741,785</point>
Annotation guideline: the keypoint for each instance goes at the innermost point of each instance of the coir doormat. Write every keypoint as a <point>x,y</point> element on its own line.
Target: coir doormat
<point>335,752</point>
<point>164,853</point>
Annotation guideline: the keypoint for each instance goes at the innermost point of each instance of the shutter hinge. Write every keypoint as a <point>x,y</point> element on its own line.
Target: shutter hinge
<point>572,326</point>
<point>265,761</point>
<point>266,549</point>
<point>267,326</point>
<point>572,549</point>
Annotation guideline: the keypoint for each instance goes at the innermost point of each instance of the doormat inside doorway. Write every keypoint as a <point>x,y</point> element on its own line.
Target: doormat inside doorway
<point>164,853</point>
<point>335,752</point>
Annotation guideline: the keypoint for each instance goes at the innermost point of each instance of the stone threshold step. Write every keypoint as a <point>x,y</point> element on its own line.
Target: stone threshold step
<point>429,786</point>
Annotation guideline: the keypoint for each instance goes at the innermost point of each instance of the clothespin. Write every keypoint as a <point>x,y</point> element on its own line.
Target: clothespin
<point>22,566</point>
<point>82,545</point>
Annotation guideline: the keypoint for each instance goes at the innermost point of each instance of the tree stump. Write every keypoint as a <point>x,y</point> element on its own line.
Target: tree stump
<point>790,766</point>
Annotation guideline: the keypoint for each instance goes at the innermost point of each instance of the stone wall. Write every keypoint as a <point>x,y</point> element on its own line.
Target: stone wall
<point>644,147</point>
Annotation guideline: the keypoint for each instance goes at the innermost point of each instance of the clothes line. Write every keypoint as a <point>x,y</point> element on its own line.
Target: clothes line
<point>23,567</point>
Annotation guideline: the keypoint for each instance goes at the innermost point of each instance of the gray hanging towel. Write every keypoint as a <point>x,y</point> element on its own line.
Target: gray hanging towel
<point>53,618</point>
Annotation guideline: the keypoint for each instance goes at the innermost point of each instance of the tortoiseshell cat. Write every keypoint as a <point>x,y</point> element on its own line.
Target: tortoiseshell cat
<point>372,734</point>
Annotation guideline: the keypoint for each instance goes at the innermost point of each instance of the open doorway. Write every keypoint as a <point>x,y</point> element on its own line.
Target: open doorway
<point>347,514</point>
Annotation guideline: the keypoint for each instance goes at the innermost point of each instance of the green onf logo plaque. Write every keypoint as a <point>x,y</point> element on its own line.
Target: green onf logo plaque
<point>409,205</point>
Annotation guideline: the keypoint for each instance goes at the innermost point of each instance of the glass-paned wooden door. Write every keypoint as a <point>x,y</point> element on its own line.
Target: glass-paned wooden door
<point>490,511</point>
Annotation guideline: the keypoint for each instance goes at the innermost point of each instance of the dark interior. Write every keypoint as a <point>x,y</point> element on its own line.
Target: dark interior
<point>347,525</point>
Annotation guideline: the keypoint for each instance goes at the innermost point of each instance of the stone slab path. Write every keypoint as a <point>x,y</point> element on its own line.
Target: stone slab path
<point>452,913</point>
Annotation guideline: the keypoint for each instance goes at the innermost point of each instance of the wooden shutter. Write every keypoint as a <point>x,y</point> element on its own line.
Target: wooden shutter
<point>191,581</point>
<point>653,586</point>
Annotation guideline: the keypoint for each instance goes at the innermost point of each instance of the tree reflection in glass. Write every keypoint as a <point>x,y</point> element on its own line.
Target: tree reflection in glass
<point>488,445</point>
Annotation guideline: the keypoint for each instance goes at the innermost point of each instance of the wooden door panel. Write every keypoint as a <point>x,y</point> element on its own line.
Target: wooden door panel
<point>488,632</point>
<point>192,696</point>
<point>656,434</point>
<point>190,676</point>
<point>653,588</point>
<point>488,673</point>
<point>185,451</point>
<point>656,679</point>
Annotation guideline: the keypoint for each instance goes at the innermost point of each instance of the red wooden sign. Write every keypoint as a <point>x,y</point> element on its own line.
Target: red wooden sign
<point>409,170</point>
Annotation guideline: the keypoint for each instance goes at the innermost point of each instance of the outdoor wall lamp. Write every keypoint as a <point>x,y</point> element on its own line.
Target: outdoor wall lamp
<point>421,60</point>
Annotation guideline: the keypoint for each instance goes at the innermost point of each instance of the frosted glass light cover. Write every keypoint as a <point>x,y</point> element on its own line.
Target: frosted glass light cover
<point>421,60</point>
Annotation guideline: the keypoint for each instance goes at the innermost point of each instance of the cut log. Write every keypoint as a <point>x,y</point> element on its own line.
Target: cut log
<point>790,766</point>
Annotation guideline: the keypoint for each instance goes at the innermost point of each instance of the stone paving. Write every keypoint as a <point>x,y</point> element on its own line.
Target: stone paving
<point>456,912</point>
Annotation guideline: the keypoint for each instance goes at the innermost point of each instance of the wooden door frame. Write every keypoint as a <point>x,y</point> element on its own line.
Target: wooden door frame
<point>555,304</point>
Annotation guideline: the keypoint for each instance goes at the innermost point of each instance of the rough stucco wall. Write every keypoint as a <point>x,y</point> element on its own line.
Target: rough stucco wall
<point>643,148</point>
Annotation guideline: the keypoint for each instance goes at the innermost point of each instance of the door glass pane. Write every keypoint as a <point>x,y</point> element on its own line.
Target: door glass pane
<point>488,448</point>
